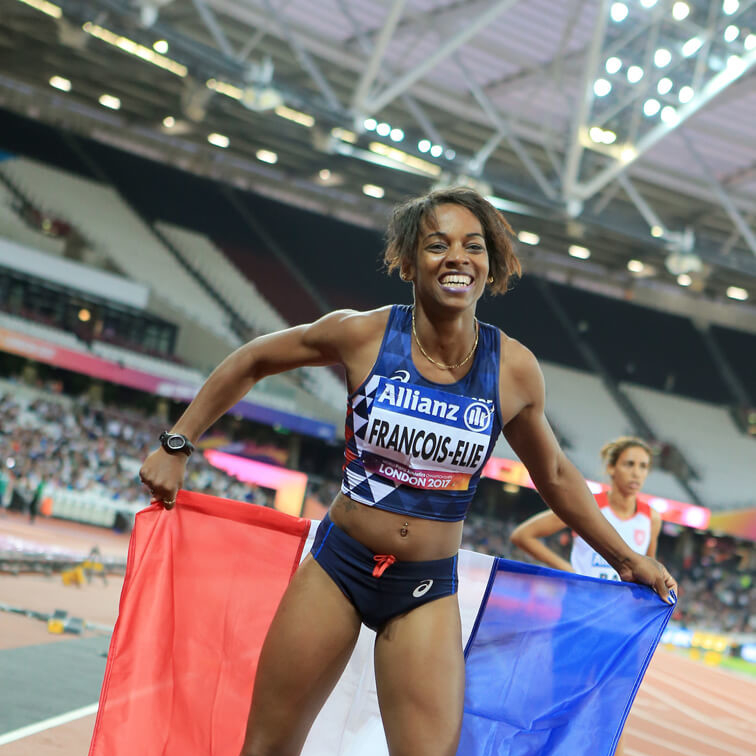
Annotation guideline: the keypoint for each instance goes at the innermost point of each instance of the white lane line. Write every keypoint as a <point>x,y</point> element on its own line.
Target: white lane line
<point>721,748</point>
<point>715,723</point>
<point>676,747</point>
<point>696,692</point>
<point>47,724</point>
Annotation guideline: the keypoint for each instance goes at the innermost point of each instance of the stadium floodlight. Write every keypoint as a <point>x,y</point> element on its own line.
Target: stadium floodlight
<point>737,292</point>
<point>383,129</point>
<point>372,190</point>
<point>731,33</point>
<point>664,86</point>
<point>324,174</point>
<point>369,124</point>
<point>680,11</point>
<point>528,237</point>
<point>634,74</point>
<point>61,83</point>
<point>436,150</point>
<point>613,65</point>
<point>684,279</point>
<point>601,87</point>
<point>160,46</point>
<point>295,116</point>
<point>656,231</point>
<point>344,135</point>
<point>218,140</point>
<point>134,48</point>
<point>424,145</point>
<point>730,6</point>
<point>662,57</point>
<point>686,94</point>
<point>110,101</point>
<point>669,115</point>
<point>581,253</point>
<point>169,122</point>
<point>648,3</point>
<point>628,154</point>
<point>396,135</point>
<point>750,42</point>
<point>403,160</point>
<point>608,137</point>
<point>635,266</point>
<point>49,9</point>
<point>692,46</point>
<point>267,156</point>
<point>651,107</point>
<point>618,12</point>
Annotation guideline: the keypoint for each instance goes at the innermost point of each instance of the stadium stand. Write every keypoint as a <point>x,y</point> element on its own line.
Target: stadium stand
<point>121,235</point>
<point>722,456</point>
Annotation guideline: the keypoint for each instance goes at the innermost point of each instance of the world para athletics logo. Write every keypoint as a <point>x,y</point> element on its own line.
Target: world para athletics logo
<point>477,416</point>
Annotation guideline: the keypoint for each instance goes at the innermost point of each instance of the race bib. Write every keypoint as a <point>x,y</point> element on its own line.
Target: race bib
<point>424,437</point>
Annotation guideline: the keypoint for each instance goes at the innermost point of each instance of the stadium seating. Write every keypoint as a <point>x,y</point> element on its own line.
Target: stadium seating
<point>12,227</point>
<point>109,225</point>
<point>707,436</point>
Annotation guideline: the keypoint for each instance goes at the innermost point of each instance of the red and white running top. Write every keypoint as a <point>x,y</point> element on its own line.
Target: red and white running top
<point>635,532</point>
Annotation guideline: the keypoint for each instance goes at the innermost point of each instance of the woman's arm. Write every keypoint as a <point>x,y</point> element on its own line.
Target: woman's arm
<point>318,343</point>
<point>563,487</point>
<point>527,536</point>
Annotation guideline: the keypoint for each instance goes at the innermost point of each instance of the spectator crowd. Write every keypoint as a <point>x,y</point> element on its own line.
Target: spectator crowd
<point>49,439</point>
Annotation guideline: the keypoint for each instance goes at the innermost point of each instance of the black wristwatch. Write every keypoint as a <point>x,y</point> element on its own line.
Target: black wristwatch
<point>175,443</point>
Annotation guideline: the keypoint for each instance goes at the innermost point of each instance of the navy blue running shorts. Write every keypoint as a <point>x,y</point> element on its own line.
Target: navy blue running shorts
<point>379,586</point>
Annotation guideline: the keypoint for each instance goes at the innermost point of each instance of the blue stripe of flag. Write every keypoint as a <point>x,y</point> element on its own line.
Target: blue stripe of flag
<point>554,662</point>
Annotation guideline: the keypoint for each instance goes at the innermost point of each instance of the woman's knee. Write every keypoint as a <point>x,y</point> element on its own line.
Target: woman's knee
<point>269,746</point>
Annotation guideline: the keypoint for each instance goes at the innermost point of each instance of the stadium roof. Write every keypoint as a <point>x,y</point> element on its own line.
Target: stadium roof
<point>627,129</point>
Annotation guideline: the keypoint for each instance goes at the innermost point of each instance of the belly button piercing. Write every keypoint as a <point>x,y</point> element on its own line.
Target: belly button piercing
<point>404,531</point>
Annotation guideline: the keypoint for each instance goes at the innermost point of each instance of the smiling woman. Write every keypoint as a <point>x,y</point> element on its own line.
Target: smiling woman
<point>429,390</point>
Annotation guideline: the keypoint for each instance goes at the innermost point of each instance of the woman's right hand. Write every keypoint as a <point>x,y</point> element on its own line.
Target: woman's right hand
<point>163,474</point>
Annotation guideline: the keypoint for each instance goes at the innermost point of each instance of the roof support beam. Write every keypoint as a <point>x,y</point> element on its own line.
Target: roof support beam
<point>713,87</point>
<point>371,70</point>
<point>208,18</point>
<point>724,199</point>
<point>503,129</point>
<point>385,72</point>
<point>640,203</point>
<point>583,110</point>
<point>443,51</point>
<point>305,59</point>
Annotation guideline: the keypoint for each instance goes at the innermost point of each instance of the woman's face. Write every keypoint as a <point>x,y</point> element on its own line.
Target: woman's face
<point>630,471</point>
<point>452,260</point>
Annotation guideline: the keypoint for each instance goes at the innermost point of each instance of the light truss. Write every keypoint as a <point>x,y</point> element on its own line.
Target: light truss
<point>382,42</point>
<point>469,30</point>
<point>622,117</point>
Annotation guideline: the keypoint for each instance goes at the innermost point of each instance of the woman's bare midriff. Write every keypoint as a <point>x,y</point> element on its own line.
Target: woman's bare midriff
<point>411,539</point>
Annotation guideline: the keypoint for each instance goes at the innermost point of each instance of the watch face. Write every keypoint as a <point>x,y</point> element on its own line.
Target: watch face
<point>175,442</point>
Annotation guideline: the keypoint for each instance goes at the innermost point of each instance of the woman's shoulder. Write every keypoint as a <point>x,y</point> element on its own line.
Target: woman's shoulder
<point>353,325</point>
<point>516,356</point>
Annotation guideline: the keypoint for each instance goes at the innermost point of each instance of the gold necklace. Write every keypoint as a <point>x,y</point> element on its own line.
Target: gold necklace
<point>441,364</point>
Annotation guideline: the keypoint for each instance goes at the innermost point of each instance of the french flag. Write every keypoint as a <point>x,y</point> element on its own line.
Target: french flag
<point>553,660</point>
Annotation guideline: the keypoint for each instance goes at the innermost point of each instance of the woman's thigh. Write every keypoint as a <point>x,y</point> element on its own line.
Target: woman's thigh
<point>306,649</point>
<point>420,674</point>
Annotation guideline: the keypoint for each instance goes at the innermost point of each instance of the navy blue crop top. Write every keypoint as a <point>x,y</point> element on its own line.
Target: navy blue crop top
<point>416,447</point>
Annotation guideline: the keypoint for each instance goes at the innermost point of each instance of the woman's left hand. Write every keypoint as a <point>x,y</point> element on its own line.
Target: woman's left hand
<point>648,571</point>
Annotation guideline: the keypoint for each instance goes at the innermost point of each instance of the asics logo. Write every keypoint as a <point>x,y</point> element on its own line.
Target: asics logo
<point>422,589</point>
